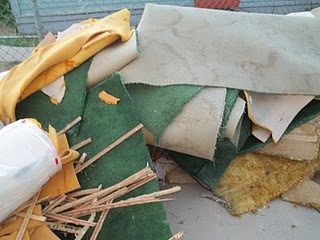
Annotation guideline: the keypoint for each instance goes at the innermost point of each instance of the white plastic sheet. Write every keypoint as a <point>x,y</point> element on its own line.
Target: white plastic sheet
<point>27,161</point>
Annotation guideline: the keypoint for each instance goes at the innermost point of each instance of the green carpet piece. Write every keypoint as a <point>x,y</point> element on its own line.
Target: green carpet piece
<point>207,173</point>
<point>38,105</point>
<point>158,106</point>
<point>104,124</point>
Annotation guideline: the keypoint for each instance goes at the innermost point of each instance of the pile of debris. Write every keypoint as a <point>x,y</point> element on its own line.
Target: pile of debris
<point>225,99</point>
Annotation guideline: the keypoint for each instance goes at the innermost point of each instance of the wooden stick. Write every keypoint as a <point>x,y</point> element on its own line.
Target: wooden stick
<point>81,193</point>
<point>177,236</point>
<point>128,181</point>
<point>112,196</point>
<point>111,146</point>
<point>26,219</point>
<point>88,210</point>
<point>81,161</point>
<point>63,227</point>
<point>70,125</point>
<point>99,225</point>
<point>142,182</point>
<point>66,219</point>
<point>54,203</point>
<point>32,216</point>
<point>81,144</point>
<point>160,193</point>
<point>91,219</point>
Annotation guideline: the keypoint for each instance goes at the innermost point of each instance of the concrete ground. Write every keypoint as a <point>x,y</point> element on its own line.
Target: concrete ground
<point>204,219</point>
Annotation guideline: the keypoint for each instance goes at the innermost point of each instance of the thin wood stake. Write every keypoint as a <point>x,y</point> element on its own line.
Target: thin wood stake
<point>54,203</point>
<point>26,219</point>
<point>128,181</point>
<point>99,225</point>
<point>81,144</point>
<point>111,146</point>
<point>66,219</point>
<point>63,227</point>
<point>177,236</point>
<point>81,161</point>
<point>32,216</point>
<point>85,192</point>
<point>88,210</point>
<point>91,219</point>
<point>70,125</point>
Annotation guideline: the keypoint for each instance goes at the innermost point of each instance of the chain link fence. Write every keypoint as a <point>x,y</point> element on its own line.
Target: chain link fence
<point>24,22</point>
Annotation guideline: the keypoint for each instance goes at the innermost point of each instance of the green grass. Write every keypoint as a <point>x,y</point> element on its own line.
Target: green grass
<point>19,42</point>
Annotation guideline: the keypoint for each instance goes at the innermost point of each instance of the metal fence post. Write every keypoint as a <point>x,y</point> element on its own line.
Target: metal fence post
<point>37,20</point>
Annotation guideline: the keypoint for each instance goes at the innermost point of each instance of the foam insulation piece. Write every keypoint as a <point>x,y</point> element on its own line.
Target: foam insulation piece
<point>274,112</point>
<point>112,59</point>
<point>233,127</point>
<point>304,136</point>
<point>305,193</point>
<point>195,130</point>
<point>217,48</point>
<point>253,180</point>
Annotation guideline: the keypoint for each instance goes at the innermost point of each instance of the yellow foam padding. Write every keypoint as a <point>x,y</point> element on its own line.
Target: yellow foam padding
<point>42,232</point>
<point>13,224</point>
<point>65,180</point>
<point>253,180</point>
<point>53,60</point>
<point>108,98</point>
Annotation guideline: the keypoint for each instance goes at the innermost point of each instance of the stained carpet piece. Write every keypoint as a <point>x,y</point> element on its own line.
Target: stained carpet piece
<point>311,111</point>
<point>104,124</point>
<point>252,180</point>
<point>112,59</point>
<point>247,51</point>
<point>38,105</point>
<point>274,112</point>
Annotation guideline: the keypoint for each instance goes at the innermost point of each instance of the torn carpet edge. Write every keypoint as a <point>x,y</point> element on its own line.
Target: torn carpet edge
<point>208,173</point>
<point>253,180</point>
<point>104,124</point>
<point>38,105</point>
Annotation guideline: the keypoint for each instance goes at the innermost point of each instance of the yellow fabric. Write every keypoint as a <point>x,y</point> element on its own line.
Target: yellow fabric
<point>12,225</point>
<point>65,180</point>
<point>42,232</point>
<point>51,61</point>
